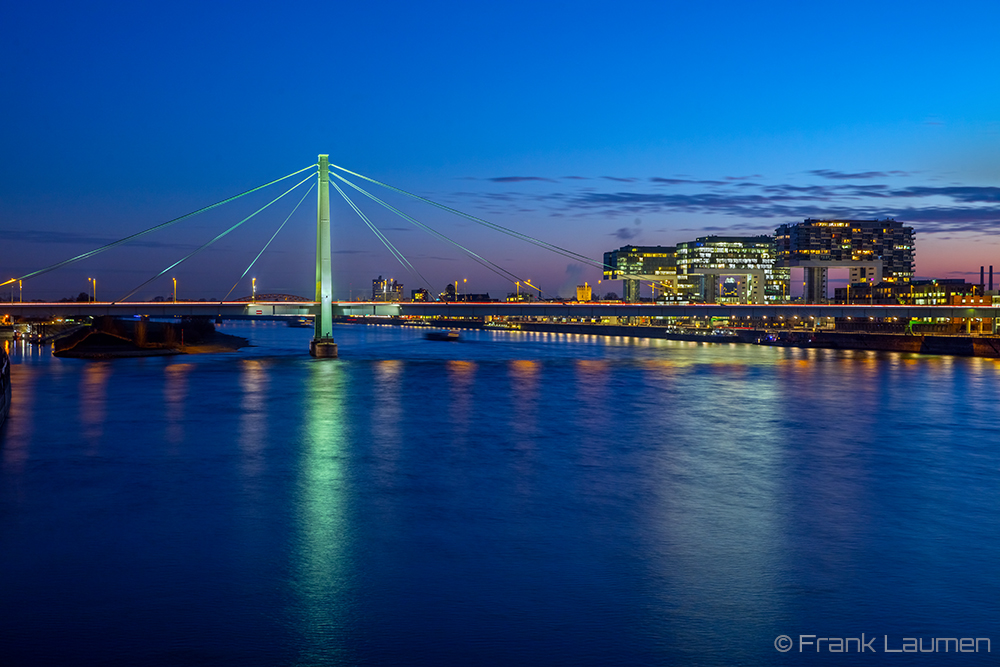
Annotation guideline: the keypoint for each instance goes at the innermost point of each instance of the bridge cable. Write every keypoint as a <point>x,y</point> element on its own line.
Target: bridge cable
<point>219,236</point>
<point>510,232</point>
<point>500,228</point>
<point>382,237</point>
<point>499,270</point>
<point>150,230</point>
<point>250,266</point>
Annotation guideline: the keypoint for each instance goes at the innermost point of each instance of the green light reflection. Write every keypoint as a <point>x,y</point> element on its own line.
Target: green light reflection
<point>321,560</point>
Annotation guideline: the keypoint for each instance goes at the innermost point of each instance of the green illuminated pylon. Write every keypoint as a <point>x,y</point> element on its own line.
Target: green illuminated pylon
<point>322,344</point>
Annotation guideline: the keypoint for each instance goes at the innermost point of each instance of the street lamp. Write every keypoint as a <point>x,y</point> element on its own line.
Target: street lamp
<point>175,290</point>
<point>93,289</point>
<point>254,283</point>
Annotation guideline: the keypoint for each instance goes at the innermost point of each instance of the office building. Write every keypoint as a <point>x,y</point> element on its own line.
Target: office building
<point>873,250</point>
<point>634,264</point>
<point>730,269</point>
<point>386,289</point>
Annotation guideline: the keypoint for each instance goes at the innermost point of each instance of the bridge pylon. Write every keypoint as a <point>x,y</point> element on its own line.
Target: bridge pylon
<point>322,344</point>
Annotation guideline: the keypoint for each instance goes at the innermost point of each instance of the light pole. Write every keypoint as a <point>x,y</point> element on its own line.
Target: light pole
<point>93,289</point>
<point>20,291</point>
<point>254,283</point>
<point>175,290</point>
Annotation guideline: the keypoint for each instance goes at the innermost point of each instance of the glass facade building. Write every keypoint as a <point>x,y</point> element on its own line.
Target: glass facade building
<point>731,269</point>
<point>632,264</point>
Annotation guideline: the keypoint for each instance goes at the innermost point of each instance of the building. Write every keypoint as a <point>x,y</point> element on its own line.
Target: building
<point>386,290</point>
<point>943,292</point>
<point>584,292</point>
<point>873,250</point>
<point>634,264</point>
<point>420,295</point>
<point>730,269</point>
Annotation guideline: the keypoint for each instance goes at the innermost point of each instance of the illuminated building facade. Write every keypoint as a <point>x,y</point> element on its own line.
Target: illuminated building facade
<point>583,292</point>
<point>386,289</point>
<point>632,264</point>
<point>873,250</point>
<point>941,292</point>
<point>731,269</point>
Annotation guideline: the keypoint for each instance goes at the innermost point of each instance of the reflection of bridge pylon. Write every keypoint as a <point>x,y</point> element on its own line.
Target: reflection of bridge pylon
<point>322,344</point>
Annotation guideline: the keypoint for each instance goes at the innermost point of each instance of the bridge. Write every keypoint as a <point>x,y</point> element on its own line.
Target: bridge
<point>536,310</point>
<point>324,309</point>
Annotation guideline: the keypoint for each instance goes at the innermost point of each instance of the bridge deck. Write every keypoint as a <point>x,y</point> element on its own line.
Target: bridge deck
<point>447,309</point>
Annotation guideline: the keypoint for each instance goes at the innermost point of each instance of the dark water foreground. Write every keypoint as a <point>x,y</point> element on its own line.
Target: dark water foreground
<point>509,499</point>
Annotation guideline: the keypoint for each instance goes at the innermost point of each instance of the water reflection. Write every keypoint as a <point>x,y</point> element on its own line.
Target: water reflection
<point>716,455</point>
<point>17,432</point>
<point>93,402</point>
<point>461,377</point>
<point>321,560</point>
<point>175,393</point>
<point>387,411</point>
<point>254,381</point>
<point>525,399</point>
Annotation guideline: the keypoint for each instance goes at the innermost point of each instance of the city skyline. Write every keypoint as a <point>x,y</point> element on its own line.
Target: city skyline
<point>653,125</point>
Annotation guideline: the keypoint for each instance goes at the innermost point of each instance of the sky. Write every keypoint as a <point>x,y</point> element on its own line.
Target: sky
<point>587,125</point>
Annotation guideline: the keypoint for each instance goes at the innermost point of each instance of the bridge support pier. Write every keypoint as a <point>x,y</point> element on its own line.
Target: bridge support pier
<point>323,348</point>
<point>322,345</point>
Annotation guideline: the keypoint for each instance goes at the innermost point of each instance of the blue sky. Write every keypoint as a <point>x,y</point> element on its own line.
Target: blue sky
<point>589,125</point>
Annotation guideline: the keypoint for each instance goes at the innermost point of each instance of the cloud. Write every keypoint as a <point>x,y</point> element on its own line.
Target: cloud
<point>519,179</point>
<point>967,194</point>
<point>659,180</point>
<point>953,208</point>
<point>847,176</point>
<point>626,233</point>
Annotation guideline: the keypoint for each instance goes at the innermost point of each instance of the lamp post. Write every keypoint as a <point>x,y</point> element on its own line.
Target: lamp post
<point>175,290</point>
<point>93,289</point>
<point>20,291</point>
<point>254,283</point>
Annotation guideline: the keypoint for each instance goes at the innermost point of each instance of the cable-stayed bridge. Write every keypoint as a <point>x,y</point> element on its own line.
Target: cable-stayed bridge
<point>323,308</point>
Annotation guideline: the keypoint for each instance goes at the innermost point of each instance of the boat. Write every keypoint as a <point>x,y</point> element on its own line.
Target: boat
<point>441,335</point>
<point>301,322</point>
<point>4,385</point>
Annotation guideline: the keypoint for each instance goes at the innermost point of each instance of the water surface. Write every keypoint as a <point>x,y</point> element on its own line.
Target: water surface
<point>509,499</point>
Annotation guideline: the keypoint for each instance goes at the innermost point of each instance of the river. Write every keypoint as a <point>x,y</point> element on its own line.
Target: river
<point>510,498</point>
